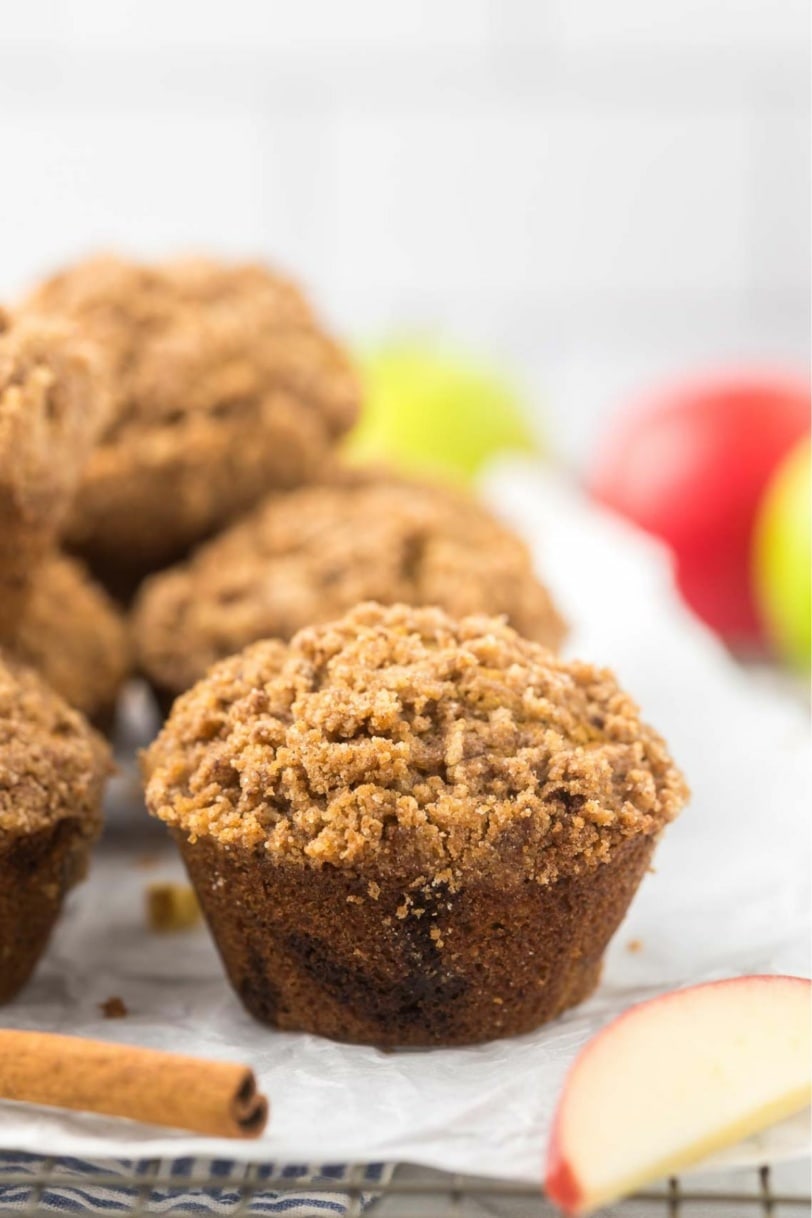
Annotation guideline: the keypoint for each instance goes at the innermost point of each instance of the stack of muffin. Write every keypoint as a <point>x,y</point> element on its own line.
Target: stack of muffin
<point>406,824</point>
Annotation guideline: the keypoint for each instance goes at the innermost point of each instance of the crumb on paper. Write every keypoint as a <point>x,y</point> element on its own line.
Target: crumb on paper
<point>171,907</point>
<point>634,946</point>
<point>113,1007</point>
<point>148,860</point>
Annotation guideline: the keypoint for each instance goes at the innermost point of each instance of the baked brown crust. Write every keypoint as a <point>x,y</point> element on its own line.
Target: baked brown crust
<point>53,767</point>
<point>53,403</point>
<point>311,555</point>
<point>76,637</point>
<point>315,951</point>
<point>407,829</point>
<point>36,871</point>
<point>224,386</point>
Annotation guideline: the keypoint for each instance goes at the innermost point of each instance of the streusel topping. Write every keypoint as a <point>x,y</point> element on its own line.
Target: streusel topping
<point>52,764</point>
<point>313,554</point>
<point>400,741</point>
<point>197,336</point>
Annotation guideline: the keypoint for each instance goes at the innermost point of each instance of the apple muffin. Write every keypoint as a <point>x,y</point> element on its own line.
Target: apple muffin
<point>53,767</point>
<point>309,556</point>
<point>224,386</point>
<point>76,637</point>
<point>53,404</point>
<point>407,829</point>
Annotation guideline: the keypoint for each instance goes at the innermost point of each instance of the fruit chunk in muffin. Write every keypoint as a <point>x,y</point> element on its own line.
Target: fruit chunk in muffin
<point>408,829</point>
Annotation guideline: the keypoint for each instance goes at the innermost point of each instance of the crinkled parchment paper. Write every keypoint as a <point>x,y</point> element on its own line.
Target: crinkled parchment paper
<point>730,895</point>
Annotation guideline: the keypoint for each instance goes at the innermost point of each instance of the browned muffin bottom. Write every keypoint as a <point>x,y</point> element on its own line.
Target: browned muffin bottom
<point>52,772</point>
<point>76,637</point>
<point>406,829</point>
<point>53,403</point>
<point>225,386</point>
<point>310,555</point>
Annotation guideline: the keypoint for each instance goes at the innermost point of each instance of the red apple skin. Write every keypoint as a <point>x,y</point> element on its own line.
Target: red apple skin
<point>690,467</point>
<point>560,1182</point>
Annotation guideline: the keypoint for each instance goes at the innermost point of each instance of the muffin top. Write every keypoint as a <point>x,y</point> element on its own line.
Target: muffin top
<point>311,555</point>
<point>53,765</point>
<point>399,742</point>
<point>224,386</point>
<point>197,336</point>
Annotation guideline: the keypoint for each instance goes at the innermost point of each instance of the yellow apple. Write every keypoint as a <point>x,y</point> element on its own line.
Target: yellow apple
<point>431,411</point>
<point>674,1080</point>
<point>781,558</point>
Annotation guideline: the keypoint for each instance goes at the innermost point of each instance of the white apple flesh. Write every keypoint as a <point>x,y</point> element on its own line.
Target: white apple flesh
<point>675,1079</point>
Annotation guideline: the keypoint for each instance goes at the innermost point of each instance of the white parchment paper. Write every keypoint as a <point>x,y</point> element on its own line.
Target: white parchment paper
<point>730,895</point>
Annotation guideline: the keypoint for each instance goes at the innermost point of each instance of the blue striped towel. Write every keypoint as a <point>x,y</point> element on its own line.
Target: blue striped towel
<point>149,1178</point>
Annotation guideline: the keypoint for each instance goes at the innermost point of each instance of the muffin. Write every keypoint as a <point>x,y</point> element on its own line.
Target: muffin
<point>52,772</point>
<point>311,555</point>
<point>406,829</point>
<point>224,386</point>
<point>76,637</point>
<point>53,403</point>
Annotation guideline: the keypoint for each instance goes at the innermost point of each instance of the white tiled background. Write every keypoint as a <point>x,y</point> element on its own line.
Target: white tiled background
<point>596,192</point>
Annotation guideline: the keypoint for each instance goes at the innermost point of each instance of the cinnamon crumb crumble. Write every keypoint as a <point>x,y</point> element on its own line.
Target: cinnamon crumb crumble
<point>399,741</point>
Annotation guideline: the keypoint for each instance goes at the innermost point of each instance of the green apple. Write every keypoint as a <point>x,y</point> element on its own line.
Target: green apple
<point>430,410</point>
<point>782,557</point>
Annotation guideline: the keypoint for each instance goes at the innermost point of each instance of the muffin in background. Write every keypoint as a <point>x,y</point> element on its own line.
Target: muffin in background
<point>405,829</point>
<point>53,404</point>
<point>224,385</point>
<point>53,767</point>
<point>76,637</point>
<point>310,555</point>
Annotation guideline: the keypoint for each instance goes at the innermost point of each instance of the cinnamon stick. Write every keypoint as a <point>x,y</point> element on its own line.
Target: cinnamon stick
<point>219,1099</point>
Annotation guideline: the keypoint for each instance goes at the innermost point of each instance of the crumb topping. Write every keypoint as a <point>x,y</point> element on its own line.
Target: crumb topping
<point>196,336</point>
<point>398,741</point>
<point>52,764</point>
<point>224,386</point>
<point>311,555</point>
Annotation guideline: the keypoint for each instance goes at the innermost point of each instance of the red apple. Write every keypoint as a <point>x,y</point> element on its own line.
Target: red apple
<point>675,1079</point>
<point>691,467</point>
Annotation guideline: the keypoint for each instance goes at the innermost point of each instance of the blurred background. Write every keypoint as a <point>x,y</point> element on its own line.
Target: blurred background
<point>597,198</point>
<point>596,194</point>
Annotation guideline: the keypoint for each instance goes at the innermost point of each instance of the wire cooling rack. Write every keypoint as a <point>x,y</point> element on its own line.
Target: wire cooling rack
<point>152,1186</point>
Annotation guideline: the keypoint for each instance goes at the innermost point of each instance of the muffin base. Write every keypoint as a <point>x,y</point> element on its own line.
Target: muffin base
<point>36,870</point>
<point>311,950</point>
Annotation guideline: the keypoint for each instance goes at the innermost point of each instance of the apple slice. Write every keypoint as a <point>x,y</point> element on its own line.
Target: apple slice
<point>676,1078</point>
